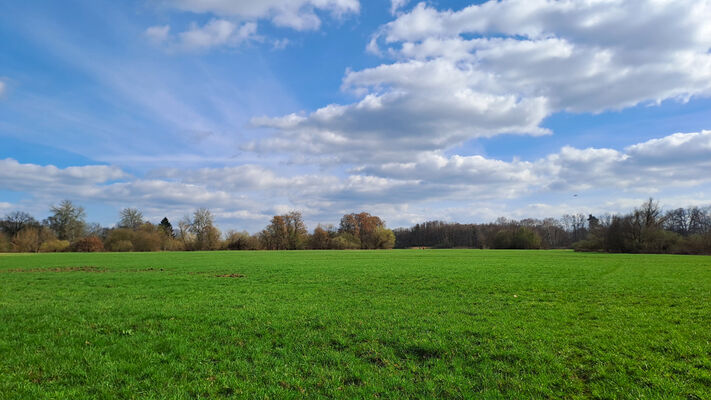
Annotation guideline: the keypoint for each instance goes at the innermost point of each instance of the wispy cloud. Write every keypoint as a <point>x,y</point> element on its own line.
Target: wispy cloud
<point>235,22</point>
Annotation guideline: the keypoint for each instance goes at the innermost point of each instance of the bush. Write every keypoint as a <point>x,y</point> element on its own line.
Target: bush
<point>173,245</point>
<point>117,238</point>
<point>659,241</point>
<point>385,238</point>
<point>54,246</point>
<point>121,246</point>
<point>26,241</point>
<point>147,241</point>
<point>90,244</point>
<point>241,241</point>
<point>525,238</point>
<point>502,240</point>
<point>345,241</point>
<point>4,243</point>
<point>522,238</point>
<point>694,244</point>
<point>590,244</point>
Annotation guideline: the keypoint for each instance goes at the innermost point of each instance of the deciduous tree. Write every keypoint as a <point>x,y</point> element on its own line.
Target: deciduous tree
<point>131,218</point>
<point>67,221</point>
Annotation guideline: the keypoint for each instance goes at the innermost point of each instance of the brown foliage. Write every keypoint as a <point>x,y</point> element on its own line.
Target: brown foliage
<point>364,227</point>
<point>90,244</point>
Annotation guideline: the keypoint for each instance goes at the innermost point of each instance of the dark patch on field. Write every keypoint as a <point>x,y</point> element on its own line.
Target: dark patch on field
<point>233,275</point>
<point>226,391</point>
<point>423,352</point>
<point>353,381</point>
<point>230,276</point>
<point>85,268</point>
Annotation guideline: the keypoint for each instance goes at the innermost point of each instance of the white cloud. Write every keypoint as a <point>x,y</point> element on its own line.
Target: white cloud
<point>216,32</point>
<point>296,14</point>
<point>32,177</point>
<point>2,88</point>
<point>158,34</point>
<point>423,188</point>
<point>411,115</point>
<point>678,160</point>
<point>583,56</point>
<point>5,206</point>
<point>396,5</point>
<point>236,20</point>
<point>529,59</point>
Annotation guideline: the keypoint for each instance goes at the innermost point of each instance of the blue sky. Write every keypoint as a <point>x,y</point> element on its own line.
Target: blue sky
<point>451,110</point>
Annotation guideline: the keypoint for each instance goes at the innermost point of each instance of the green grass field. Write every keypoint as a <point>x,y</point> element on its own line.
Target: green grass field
<point>352,324</point>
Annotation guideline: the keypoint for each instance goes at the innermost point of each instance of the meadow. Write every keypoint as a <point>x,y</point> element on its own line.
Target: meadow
<point>355,324</point>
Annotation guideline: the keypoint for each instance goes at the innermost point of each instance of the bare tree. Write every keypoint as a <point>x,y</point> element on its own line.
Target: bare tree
<point>67,221</point>
<point>16,221</point>
<point>184,234</point>
<point>207,237</point>
<point>131,218</point>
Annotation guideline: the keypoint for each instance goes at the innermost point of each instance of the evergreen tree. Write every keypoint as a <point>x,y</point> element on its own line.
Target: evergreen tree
<point>166,227</point>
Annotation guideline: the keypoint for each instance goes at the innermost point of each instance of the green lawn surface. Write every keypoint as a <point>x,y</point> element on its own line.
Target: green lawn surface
<point>355,324</point>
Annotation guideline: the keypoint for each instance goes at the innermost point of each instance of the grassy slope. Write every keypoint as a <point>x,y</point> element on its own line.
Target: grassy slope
<point>409,323</point>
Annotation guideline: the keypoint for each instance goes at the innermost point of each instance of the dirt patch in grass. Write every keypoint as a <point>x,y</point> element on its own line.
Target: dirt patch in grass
<point>150,269</point>
<point>230,276</point>
<point>84,268</point>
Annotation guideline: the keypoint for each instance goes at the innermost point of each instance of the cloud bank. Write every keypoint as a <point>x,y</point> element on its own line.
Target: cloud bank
<point>502,68</point>
<point>251,193</point>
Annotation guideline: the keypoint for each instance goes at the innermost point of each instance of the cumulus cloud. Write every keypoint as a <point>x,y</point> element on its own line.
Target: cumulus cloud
<point>503,67</point>
<point>396,5</point>
<point>677,160</point>
<point>411,115</point>
<point>583,56</point>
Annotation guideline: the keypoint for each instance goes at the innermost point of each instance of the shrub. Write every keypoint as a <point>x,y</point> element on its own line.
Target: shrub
<point>54,246</point>
<point>345,241</point>
<point>694,244</point>
<point>522,238</point>
<point>90,244</point>
<point>173,245</point>
<point>590,244</point>
<point>502,239</point>
<point>659,241</point>
<point>384,238</point>
<point>147,241</point>
<point>115,240</point>
<point>4,243</point>
<point>241,241</point>
<point>26,241</point>
<point>121,245</point>
<point>525,238</point>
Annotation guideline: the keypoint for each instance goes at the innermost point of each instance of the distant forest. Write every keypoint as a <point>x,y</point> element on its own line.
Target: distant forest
<point>646,229</point>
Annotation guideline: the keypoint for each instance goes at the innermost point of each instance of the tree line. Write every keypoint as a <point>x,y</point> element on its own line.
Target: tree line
<point>66,229</point>
<point>646,229</point>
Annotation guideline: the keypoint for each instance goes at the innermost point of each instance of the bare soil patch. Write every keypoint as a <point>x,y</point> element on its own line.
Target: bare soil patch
<point>84,268</point>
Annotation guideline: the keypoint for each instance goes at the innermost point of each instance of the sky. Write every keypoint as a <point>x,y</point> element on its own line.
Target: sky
<point>450,110</point>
